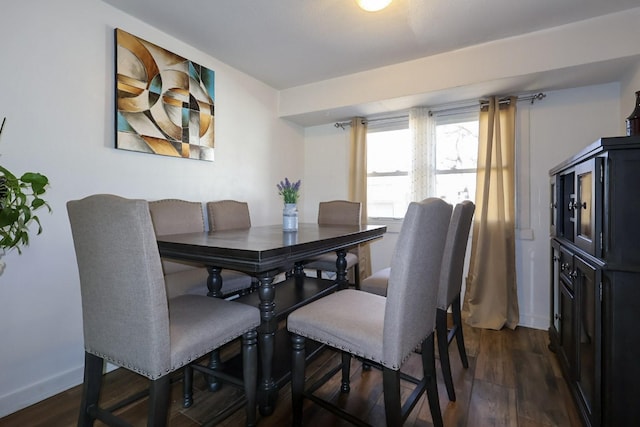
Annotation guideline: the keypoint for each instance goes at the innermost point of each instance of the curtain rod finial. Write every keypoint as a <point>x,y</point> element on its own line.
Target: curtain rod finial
<point>539,96</point>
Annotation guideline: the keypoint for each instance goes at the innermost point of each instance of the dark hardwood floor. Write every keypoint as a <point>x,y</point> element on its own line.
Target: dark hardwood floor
<point>512,380</point>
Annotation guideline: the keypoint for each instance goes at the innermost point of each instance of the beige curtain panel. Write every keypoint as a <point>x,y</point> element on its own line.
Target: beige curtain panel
<point>422,174</point>
<point>358,184</point>
<point>492,300</point>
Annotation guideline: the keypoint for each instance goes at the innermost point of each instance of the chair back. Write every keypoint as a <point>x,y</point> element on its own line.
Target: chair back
<point>410,309</point>
<point>454,253</point>
<point>124,303</point>
<point>228,215</point>
<point>339,212</point>
<point>174,216</point>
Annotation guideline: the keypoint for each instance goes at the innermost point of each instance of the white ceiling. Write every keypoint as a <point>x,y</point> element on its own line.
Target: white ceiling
<point>287,43</point>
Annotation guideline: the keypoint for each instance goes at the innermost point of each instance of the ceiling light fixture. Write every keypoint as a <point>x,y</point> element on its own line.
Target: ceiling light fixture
<point>373,5</point>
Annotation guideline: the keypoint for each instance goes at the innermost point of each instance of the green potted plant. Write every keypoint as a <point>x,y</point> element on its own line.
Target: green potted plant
<point>20,197</point>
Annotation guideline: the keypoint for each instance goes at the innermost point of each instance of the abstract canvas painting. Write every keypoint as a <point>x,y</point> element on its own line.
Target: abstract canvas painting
<point>164,102</point>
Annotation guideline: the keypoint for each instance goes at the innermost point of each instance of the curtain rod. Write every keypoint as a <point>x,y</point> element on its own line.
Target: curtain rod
<point>461,106</point>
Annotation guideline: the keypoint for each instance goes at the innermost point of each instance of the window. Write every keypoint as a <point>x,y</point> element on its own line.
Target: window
<point>456,157</point>
<point>389,163</point>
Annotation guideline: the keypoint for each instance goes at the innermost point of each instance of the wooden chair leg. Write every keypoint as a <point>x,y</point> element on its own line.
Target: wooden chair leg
<point>319,274</point>
<point>457,322</point>
<point>215,363</point>
<point>93,366</point>
<point>346,372</point>
<point>429,372</point>
<point>250,373</point>
<point>443,351</point>
<point>356,275</point>
<point>187,387</point>
<point>159,398</point>
<point>392,398</point>
<point>297,377</point>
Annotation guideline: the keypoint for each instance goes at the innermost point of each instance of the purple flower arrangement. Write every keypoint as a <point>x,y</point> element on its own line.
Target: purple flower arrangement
<point>288,190</point>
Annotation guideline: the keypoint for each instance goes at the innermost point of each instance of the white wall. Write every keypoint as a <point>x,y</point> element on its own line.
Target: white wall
<point>549,131</point>
<point>562,124</point>
<point>57,86</point>
<point>326,168</point>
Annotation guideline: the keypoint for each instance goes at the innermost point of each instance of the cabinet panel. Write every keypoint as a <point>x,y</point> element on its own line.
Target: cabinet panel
<point>623,209</point>
<point>588,302</point>
<point>554,188</point>
<point>566,333</point>
<point>555,286</point>
<point>621,349</point>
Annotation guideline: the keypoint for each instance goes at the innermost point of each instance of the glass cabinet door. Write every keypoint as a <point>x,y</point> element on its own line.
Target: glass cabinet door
<point>588,190</point>
<point>566,206</point>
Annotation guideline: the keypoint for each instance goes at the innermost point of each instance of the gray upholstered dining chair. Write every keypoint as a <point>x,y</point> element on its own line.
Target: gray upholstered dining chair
<point>337,212</point>
<point>128,319</point>
<point>228,215</point>
<point>450,288</point>
<point>174,216</point>
<point>450,285</point>
<point>383,331</point>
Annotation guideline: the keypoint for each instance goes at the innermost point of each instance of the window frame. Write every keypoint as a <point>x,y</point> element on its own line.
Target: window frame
<point>399,123</point>
<point>387,125</point>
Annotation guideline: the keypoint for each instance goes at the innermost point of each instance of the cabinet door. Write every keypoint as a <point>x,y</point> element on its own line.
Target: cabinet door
<point>566,206</point>
<point>588,331</point>
<point>566,333</point>
<point>553,205</point>
<point>588,184</point>
<point>555,286</point>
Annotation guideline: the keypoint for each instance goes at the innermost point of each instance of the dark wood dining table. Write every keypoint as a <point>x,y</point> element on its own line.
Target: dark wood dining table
<point>264,252</point>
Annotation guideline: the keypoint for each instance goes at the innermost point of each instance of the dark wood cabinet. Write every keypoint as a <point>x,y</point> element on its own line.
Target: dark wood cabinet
<point>595,278</point>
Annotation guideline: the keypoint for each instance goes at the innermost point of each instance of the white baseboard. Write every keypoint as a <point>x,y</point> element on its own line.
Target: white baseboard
<point>533,321</point>
<point>34,393</point>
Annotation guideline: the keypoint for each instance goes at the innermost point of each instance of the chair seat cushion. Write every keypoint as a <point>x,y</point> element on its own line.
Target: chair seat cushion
<point>348,320</point>
<point>327,262</point>
<point>377,283</point>
<point>200,324</point>
<point>194,281</point>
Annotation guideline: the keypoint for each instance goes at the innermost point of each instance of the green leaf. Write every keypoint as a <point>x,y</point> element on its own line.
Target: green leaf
<point>37,181</point>
<point>8,216</point>
<point>7,173</point>
<point>37,202</point>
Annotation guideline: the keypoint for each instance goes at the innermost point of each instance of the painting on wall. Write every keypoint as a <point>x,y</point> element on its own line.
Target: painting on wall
<point>164,102</point>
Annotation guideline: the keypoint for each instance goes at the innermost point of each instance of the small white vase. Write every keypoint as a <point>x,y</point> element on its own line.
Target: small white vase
<point>290,217</point>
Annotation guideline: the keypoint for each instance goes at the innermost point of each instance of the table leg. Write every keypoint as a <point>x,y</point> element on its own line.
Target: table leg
<point>214,282</point>
<point>298,274</point>
<point>341,269</point>
<point>267,388</point>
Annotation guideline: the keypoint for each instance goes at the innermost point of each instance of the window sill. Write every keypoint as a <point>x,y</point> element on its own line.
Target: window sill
<point>393,224</point>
